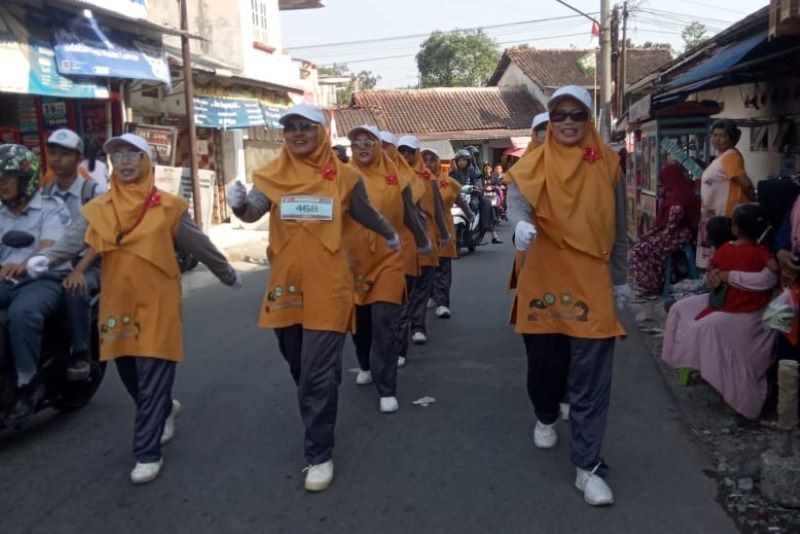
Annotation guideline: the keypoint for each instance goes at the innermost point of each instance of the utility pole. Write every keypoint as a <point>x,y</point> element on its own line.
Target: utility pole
<point>188,87</point>
<point>624,57</point>
<point>605,70</point>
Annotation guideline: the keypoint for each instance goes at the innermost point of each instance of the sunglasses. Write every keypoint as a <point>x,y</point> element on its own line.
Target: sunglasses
<point>299,126</point>
<point>120,156</point>
<point>577,115</point>
<point>362,144</point>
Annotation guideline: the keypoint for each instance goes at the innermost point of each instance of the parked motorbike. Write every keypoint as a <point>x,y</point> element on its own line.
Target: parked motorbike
<point>468,233</point>
<point>54,389</point>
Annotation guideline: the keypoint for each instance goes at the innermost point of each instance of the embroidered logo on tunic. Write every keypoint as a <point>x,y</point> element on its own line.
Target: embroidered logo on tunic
<point>591,154</point>
<point>111,322</point>
<point>552,307</point>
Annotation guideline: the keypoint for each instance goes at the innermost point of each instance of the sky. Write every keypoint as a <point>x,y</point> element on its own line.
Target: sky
<point>391,32</point>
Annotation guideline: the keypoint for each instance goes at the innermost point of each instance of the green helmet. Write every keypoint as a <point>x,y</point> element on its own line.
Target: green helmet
<point>19,161</point>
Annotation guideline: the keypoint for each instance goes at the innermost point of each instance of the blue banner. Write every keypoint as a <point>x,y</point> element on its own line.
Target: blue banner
<point>85,48</point>
<point>228,113</point>
<point>28,60</point>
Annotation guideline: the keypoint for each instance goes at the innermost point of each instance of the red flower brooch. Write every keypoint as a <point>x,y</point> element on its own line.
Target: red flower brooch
<point>328,171</point>
<point>391,179</point>
<point>444,183</point>
<point>426,175</point>
<point>591,154</point>
<point>154,199</point>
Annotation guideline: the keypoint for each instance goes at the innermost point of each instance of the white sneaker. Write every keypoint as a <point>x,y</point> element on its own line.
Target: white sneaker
<point>389,404</point>
<point>419,338</point>
<point>169,424</point>
<point>431,304</point>
<point>401,361</point>
<point>319,476</point>
<point>596,491</point>
<point>146,472</point>
<point>443,312</point>
<point>544,436</point>
<point>563,408</point>
<point>364,378</point>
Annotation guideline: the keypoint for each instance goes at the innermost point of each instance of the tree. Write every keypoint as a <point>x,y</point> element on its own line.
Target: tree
<point>647,44</point>
<point>462,58</point>
<point>694,34</point>
<point>361,81</point>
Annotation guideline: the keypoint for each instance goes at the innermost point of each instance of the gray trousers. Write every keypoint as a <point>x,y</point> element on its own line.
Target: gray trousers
<point>582,367</point>
<point>29,304</point>
<point>418,301</point>
<point>403,327</point>
<point>79,311</point>
<point>315,361</point>
<point>149,382</point>
<point>443,279</point>
<point>376,325</point>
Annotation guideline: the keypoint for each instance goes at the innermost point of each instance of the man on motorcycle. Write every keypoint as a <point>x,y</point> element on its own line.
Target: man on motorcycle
<point>74,188</point>
<point>466,172</point>
<point>27,211</point>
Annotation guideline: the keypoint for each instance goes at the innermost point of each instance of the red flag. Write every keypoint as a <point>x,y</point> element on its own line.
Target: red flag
<point>594,40</point>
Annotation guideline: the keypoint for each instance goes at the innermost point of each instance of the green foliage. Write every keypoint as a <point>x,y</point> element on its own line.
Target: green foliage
<point>361,81</point>
<point>694,34</point>
<point>462,58</point>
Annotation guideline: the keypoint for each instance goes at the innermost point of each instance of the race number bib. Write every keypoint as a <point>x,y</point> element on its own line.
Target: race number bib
<point>306,208</point>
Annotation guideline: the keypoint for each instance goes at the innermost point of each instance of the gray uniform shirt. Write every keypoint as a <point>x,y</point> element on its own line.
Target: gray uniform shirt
<point>72,196</point>
<point>519,209</point>
<point>189,239</point>
<point>45,218</point>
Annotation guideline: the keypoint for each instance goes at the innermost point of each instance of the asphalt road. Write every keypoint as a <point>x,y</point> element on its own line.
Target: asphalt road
<point>464,464</point>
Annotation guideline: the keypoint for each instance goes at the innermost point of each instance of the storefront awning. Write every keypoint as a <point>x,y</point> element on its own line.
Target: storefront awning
<point>84,47</point>
<point>228,113</point>
<point>28,60</point>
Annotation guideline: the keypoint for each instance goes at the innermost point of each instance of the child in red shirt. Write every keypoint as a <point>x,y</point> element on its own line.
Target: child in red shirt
<point>744,254</point>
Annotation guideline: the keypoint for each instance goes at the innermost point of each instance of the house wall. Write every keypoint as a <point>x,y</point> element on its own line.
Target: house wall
<point>514,77</point>
<point>776,113</point>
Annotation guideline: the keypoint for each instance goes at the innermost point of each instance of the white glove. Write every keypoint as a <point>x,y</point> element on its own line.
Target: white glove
<point>237,284</point>
<point>622,294</point>
<point>37,266</point>
<point>780,313</point>
<point>524,235</point>
<point>237,195</point>
<point>427,249</point>
<point>394,242</point>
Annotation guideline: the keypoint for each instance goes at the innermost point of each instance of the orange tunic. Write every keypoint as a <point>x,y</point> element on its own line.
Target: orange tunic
<point>450,189</point>
<point>377,269</point>
<point>409,245</point>
<point>565,284</point>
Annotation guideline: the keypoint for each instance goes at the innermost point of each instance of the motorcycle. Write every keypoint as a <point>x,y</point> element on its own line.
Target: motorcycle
<point>54,390</point>
<point>496,196</point>
<point>468,233</point>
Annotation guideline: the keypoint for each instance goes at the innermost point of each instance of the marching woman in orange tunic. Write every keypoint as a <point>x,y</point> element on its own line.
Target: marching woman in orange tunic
<point>309,301</point>
<point>567,203</point>
<point>436,228</point>
<point>135,228</point>
<point>450,190</point>
<point>380,284</point>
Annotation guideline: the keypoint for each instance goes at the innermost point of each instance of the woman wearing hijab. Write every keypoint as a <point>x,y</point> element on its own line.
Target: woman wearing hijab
<point>380,286</point>
<point>410,254</point>
<point>309,298</point>
<point>435,227</point>
<point>567,204</point>
<point>135,228</point>
<point>675,226</point>
<point>450,190</point>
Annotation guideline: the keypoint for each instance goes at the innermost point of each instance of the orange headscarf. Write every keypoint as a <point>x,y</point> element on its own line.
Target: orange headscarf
<point>320,171</point>
<point>417,187</point>
<point>133,217</point>
<point>565,184</point>
<point>427,178</point>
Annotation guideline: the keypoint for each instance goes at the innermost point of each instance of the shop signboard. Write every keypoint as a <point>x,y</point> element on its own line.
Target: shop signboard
<point>54,114</point>
<point>178,181</point>
<point>136,9</point>
<point>28,60</point>
<point>161,138</point>
<point>85,48</point>
<point>273,115</point>
<point>228,113</point>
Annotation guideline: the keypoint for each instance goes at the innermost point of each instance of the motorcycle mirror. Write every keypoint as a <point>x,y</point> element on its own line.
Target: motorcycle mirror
<point>17,239</point>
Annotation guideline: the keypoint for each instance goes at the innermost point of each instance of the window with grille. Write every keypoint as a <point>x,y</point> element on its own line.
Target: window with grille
<point>259,12</point>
